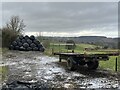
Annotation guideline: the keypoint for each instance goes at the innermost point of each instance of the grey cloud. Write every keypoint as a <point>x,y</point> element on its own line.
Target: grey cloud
<point>64,16</point>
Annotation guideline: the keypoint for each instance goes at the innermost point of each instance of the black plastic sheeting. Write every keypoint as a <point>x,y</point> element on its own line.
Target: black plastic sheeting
<point>18,85</point>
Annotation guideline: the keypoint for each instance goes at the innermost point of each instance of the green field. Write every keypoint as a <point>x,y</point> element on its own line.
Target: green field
<point>109,65</point>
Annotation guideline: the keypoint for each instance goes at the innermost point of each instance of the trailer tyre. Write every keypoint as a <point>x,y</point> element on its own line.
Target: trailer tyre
<point>71,64</point>
<point>92,65</point>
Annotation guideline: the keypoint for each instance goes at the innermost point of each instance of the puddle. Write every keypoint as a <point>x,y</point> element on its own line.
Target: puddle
<point>94,83</point>
<point>48,77</point>
<point>68,85</point>
<point>100,83</point>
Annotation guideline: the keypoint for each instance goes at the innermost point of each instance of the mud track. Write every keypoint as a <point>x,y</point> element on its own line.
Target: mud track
<point>34,67</point>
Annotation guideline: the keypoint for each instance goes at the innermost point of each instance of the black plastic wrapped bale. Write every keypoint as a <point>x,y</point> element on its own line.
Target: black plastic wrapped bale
<point>20,44</point>
<point>14,43</point>
<point>29,41</point>
<point>23,41</point>
<point>22,48</point>
<point>39,45</point>
<point>17,47</point>
<point>35,49</point>
<point>42,49</point>
<point>29,49</point>
<point>32,45</point>
<point>32,37</point>
<point>11,47</point>
<point>36,42</point>
<point>21,37</point>
<point>25,45</point>
<point>26,37</point>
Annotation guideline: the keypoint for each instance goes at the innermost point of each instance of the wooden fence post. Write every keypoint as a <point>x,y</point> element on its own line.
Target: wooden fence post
<point>59,46</point>
<point>116,64</point>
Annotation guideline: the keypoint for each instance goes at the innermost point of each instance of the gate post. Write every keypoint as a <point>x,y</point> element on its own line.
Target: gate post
<point>60,58</point>
<point>116,64</point>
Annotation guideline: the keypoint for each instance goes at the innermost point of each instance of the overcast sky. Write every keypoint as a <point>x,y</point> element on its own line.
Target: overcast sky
<point>65,18</point>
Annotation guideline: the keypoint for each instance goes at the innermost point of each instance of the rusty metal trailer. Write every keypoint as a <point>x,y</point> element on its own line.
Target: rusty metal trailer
<point>91,60</point>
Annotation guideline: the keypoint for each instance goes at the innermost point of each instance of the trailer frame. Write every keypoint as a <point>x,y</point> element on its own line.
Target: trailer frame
<point>75,59</point>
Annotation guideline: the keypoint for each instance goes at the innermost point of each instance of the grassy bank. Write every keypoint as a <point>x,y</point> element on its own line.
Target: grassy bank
<point>110,64</point>
<point>3,50</point>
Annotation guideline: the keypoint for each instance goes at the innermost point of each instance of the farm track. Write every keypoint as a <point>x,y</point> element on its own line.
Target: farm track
<point>45,71</point>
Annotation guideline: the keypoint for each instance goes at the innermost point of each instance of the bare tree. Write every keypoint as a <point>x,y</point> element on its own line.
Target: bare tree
<point>16,24</point>
<point>11,31</point>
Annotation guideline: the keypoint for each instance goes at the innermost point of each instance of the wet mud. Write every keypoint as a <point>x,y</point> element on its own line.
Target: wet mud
<point>40,70</point>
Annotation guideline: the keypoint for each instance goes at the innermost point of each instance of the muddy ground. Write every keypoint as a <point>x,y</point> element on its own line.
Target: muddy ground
<point>45,71</point>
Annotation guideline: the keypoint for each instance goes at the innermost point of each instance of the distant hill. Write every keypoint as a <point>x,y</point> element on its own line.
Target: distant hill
<point>95,39</point>
<point>99,40</point>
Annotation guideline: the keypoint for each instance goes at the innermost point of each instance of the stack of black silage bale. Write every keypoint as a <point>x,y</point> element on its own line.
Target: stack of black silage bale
<point>26,43</point>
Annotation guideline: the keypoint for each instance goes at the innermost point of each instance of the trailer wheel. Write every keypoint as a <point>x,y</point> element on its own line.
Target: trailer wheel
<point>92,65</point>
<point>71,64</point>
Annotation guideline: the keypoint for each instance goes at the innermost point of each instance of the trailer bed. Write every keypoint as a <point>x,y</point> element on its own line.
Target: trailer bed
<point>87,55</point>
<point>75,59</point>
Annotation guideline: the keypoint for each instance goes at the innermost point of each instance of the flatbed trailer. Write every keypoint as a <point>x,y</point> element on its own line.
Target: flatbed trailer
<point>75,59</point>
